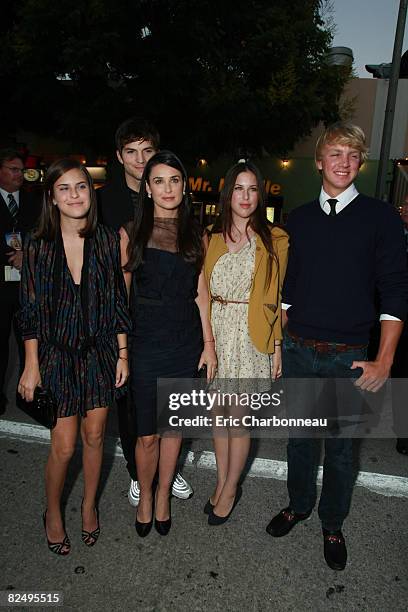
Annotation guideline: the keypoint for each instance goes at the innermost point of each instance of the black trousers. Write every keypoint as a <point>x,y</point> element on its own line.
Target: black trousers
<point>127,433</point>
<point>399,396</point>
<point>7,311</point>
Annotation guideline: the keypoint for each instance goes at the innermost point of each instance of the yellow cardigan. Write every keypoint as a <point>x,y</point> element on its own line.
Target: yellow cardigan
<point>264,310</point>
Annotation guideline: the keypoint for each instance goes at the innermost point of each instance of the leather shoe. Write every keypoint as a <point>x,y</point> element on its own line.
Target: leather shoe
<point>402,446</point>
<point>215,519</point>
<point>208,508</point>
<point>143,529</point>
<point>162,527</point>
<point>283,522</point>
<point>335,551</point>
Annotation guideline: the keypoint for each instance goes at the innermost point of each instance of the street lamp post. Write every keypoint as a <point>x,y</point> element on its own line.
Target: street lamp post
<point>380,190</point>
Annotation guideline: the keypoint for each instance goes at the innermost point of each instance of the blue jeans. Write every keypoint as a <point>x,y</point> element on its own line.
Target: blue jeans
<point>301,361</point>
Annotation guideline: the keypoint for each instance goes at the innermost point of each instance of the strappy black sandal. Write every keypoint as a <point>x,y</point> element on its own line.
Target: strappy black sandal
<point>91,537</point>
<point>59,548</point>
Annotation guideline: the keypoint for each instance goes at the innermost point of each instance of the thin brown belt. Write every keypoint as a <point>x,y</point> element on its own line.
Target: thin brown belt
<point>220,300</point>
<point>325,347</point>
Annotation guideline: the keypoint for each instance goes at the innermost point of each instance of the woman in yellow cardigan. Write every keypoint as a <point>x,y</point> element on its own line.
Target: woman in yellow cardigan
<point>245,265</point>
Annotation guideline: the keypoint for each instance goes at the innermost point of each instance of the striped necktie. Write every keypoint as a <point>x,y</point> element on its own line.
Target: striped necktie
<point>12,206</point>
<point>332,203</point>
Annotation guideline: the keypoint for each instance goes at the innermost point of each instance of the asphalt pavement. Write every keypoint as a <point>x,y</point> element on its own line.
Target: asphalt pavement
<point>236,566</point>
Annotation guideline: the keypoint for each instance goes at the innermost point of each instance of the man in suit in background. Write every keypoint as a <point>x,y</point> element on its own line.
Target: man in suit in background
<point>19,211</point>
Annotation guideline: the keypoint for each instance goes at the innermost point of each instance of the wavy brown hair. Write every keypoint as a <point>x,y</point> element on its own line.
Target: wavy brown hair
<point>49,222</point>
<point>258,221</point>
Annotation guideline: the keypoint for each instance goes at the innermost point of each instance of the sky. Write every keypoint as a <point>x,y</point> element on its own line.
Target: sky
<point>368,28</point>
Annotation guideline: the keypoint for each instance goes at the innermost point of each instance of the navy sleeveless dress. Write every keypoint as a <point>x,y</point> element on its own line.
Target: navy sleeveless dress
<point>166,337</point>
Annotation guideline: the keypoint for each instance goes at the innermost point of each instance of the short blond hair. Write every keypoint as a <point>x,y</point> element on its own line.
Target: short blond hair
<point>343,133</point>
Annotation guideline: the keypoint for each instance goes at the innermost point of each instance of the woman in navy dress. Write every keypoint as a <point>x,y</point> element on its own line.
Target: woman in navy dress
<point>74,322</point>
<point>163,252</point>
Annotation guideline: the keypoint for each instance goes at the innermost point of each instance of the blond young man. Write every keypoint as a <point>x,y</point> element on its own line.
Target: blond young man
<point>344,246</point>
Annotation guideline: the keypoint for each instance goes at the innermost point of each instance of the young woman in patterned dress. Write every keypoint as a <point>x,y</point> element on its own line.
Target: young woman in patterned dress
<point>74,323</point>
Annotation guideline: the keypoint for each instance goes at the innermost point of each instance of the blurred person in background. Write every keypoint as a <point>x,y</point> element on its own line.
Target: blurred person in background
<point>400,368</point>
<point>19,212</point>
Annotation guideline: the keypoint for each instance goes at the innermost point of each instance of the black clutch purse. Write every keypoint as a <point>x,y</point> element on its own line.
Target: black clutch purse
<point>45,408</point>
<point>202,372</point>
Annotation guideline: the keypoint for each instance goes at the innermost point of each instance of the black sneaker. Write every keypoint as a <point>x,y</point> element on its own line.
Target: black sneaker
<point>283,522</point>
<point>335,551</point>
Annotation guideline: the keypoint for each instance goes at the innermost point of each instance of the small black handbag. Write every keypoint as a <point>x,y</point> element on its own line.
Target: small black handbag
<point>45,408</point>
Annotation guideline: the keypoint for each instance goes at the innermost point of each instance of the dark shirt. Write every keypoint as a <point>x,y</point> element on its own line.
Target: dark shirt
<point>116,203</point>
<point>335,266</point>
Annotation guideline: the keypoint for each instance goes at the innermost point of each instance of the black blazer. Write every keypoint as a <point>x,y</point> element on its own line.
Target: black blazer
<point>29,211</point>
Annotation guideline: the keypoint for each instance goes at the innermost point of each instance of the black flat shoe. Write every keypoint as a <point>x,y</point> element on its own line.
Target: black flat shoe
<point>90,538</point>
<point>143,529</point>
<point>59,548</point>
<point>214,519</point>
<point>208,508</point>
<point>283,522</point>
<point>335,551</point>
<point>162,527</point>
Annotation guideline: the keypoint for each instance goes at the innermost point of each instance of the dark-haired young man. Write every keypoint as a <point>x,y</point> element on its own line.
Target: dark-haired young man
<point>136,140</point>
<point>19,211</point>
<point>344,246</point>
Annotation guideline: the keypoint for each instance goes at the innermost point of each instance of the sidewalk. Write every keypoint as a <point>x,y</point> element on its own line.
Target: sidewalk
<point>233,567</point>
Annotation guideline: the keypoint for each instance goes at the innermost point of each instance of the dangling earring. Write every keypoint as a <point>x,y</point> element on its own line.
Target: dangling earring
<point>184,192</point>
<point>54,203</point>
<point>149,195</point>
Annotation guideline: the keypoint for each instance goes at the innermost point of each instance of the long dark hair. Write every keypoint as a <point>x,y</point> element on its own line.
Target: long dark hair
<point>258,221</point>
<point>49,221</point>
<point>189,238</point>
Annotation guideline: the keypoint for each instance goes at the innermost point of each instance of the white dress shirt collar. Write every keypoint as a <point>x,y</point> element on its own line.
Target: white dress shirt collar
<point>343,199</point>
<point>5,193</point>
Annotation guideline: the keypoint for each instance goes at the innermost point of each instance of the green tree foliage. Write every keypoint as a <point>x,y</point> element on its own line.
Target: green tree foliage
<point>216,76</point>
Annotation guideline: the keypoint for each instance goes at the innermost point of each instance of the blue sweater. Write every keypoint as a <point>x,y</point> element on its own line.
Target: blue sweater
<point>337,266</point>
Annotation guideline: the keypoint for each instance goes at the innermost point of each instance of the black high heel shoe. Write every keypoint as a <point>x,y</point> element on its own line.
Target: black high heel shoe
<point>90,538</point>
<point>143,529</point>
<point>209,506</point>
<point>163,527</point>
<point>57,547</point>
<point>214,519</point>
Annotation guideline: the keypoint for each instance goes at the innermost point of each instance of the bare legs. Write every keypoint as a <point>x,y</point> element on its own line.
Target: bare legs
<point>147,456</point>
<point>63,439</point>
<point>169,452</point>
<point>152,453</point>
<point>231,452</point>
<point>92,434</point>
